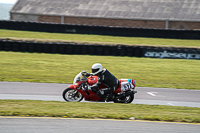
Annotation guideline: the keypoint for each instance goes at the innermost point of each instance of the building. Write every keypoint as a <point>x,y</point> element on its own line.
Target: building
<point>168,14</point>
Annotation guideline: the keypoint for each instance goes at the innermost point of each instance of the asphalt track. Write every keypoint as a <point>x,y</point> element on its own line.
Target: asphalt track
<point>145,95</point>
<point>53,125</point>
<point>53,92</point>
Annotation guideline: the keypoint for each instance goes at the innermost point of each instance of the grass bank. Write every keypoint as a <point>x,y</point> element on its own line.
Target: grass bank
<point>98,110</point>
<point>42,36</point>
<point>55,68</point>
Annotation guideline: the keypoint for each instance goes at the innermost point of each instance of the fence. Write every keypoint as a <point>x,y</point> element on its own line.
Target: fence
<point>95,49</point>
<point>99,30</point>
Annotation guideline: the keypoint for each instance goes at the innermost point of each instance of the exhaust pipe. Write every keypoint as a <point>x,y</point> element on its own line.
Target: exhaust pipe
<point>130,93</point>
<point>127,93</point>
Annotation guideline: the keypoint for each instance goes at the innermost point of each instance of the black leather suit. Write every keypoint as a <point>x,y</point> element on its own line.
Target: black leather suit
<point>109,80</point>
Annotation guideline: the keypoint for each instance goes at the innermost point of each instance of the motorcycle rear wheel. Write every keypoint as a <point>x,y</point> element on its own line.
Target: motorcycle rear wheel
<point>71,95</point>
<point>126,99</point>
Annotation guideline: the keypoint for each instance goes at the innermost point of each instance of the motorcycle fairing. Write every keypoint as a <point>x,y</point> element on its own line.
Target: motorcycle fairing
<point>88,95</point>
<point>71,87</point>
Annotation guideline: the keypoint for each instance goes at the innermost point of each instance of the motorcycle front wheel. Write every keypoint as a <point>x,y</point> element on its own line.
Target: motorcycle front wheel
<point>71,95</point>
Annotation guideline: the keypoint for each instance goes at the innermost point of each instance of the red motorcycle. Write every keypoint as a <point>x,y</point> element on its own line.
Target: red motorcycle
<point>79,90</point>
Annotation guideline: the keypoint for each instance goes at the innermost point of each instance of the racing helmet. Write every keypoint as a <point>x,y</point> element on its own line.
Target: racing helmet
<point>96,68</point>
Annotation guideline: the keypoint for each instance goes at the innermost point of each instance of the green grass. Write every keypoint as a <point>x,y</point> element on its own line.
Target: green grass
<point>55,68</point>
<point>98,110</point>
<point>25,35</point>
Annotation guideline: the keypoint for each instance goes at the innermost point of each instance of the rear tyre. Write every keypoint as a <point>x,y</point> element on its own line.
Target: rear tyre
<point>71,95</point>
<point>125,99</point>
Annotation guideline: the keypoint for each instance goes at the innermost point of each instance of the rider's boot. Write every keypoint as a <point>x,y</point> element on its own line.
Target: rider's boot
<point>106,95</point>
<point>110,97</point>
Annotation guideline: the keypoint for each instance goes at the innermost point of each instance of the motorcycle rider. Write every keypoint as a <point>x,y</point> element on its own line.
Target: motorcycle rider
<point>106,78</point>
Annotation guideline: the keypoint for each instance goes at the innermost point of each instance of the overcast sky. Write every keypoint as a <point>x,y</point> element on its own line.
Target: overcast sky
<point>8,1</point>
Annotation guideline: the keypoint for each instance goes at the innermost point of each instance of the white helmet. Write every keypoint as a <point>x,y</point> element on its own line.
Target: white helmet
<point>96,68</point>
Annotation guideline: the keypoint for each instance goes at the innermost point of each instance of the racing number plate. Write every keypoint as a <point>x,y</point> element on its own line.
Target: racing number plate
<point>126,86</point>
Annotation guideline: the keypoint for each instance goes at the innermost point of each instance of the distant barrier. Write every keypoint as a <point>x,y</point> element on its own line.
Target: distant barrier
<point>99,30</point>
<point>95,49</point>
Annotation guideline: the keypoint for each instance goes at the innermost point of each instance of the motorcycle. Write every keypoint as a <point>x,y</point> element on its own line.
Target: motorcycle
<point>79,90</point>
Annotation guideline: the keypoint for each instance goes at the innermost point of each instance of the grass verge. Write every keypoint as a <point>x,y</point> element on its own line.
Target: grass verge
<point>30,108</point>
<point>56,37</point>
<point>55,68</point>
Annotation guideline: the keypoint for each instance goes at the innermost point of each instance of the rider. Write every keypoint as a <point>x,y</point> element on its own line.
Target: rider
<point>106,78</point>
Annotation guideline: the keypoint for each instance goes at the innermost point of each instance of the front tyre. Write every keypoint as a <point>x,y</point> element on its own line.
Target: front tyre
<point>71,95</point>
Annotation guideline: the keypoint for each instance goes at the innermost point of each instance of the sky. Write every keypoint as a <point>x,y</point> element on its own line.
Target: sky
<point>8,1</point>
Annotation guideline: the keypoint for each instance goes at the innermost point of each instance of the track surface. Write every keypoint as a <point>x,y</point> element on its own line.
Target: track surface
<point>145,95</point>
<point>47,125</point>
<point>45,91</point>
